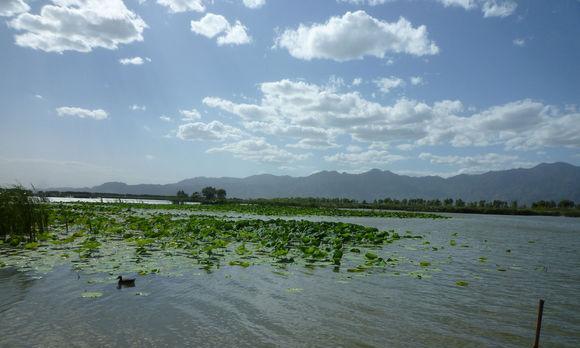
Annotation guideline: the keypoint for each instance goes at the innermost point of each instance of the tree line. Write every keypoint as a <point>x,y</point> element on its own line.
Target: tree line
<point>207,194</point>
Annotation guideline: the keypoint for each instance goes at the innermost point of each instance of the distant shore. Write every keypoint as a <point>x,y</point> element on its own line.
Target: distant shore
<point>324,202</point>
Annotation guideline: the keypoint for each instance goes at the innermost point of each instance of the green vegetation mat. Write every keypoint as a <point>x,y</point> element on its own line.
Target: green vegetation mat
<point>273,210</point>
<point>122,239</point>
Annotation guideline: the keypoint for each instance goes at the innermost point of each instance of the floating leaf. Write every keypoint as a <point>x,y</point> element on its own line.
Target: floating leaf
<point>371,256</point>
<point>461,283</point>
<point>240,263</point>
<point>31,246</point>
<point>91,294</point>
<point>294,290</point>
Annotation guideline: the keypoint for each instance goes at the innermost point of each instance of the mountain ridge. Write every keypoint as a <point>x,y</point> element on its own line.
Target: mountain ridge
<point>546,181</point>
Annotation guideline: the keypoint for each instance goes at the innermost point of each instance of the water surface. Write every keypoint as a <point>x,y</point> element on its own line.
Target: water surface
<point>263,306</point>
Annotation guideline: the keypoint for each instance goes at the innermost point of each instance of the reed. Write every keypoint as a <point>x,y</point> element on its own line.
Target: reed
<point>23,216</point>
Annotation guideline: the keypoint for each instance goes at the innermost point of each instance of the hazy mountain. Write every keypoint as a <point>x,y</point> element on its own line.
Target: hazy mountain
<point>546,181</point>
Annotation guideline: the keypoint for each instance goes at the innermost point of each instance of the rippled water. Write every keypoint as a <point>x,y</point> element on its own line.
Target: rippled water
<point>319,308</point>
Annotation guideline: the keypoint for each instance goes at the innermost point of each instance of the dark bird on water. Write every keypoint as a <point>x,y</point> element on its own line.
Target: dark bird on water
<point>125,283</point>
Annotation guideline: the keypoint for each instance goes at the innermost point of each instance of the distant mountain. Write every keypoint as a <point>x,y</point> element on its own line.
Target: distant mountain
<point>553,181</point>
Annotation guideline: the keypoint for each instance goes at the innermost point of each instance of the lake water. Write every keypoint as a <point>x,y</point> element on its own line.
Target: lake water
<point>319,308</point>
<point>106,200</point>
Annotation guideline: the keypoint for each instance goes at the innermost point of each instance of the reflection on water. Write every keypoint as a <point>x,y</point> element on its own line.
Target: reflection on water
<point>261,306</point>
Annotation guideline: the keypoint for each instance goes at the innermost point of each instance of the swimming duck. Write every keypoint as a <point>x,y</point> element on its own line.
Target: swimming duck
<point>128,282</point>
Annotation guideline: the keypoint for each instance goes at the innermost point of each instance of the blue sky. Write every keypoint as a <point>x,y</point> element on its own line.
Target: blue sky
<point>161,90</point>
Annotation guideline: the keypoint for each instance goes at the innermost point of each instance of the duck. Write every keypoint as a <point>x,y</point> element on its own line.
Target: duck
<point>127,282</point>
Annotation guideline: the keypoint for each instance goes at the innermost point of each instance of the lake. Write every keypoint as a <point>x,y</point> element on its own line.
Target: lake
<point>509,262</point>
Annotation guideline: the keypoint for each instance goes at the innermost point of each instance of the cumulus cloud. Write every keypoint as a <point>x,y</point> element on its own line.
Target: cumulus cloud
<point>212,25</point>
<point>165,118</point>
<point>257,149</point>
<point>9,8</point>
<point>177,6</point>
<point>97,114</point>
<point>354,36</point>
<point>370,157</point>
<point>299,110</point>
<point>189,115</point>
<point>134,61</point>
<point>386,84</point>
<point>213,131</point>
<point>78,25</point>
<point>254,3</point>
<point>489,8</point>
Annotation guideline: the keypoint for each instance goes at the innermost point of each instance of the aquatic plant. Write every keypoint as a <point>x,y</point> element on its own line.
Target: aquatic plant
<point>110,238</point>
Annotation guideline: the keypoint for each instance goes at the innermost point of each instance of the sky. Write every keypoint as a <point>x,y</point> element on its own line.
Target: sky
<point>156,91</point>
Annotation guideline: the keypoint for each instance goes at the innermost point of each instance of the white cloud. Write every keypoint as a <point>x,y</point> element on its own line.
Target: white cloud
<point>299,110</point>
<point>165,118</point>
<point>257,149</point>
<point>177,6</point>
<point>369,157</point>
<point>212,25</point>
<point>406,147</point>
<point>478,163</point>
<point>489,8</point>
<point>134,61</point>
<point>308,143</point>
<point>149,157</point>
<point>357,81</point>
<point>136,107</point>
<point>355,35</point>
<point>78,25</point>
<point>213,131</point>
<point>189,115</point>
<point>9,8</point>
<point>498,8</point>
<point>466,4</point>
<point>335,83</point>
<point>235,35</point>
<point>97,114</point>
<point>386,84</point>
<point>519,42</point>
<point>254,3</point>
<point>365,2</point>
<point>416,80</point>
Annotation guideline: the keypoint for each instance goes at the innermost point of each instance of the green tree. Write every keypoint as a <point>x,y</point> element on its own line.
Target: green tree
<point>209,193</point>
<point>221,194</point>
<point>566,203</point>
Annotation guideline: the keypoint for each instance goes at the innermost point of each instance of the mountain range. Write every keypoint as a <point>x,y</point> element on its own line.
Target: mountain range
<point>554,181</point>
